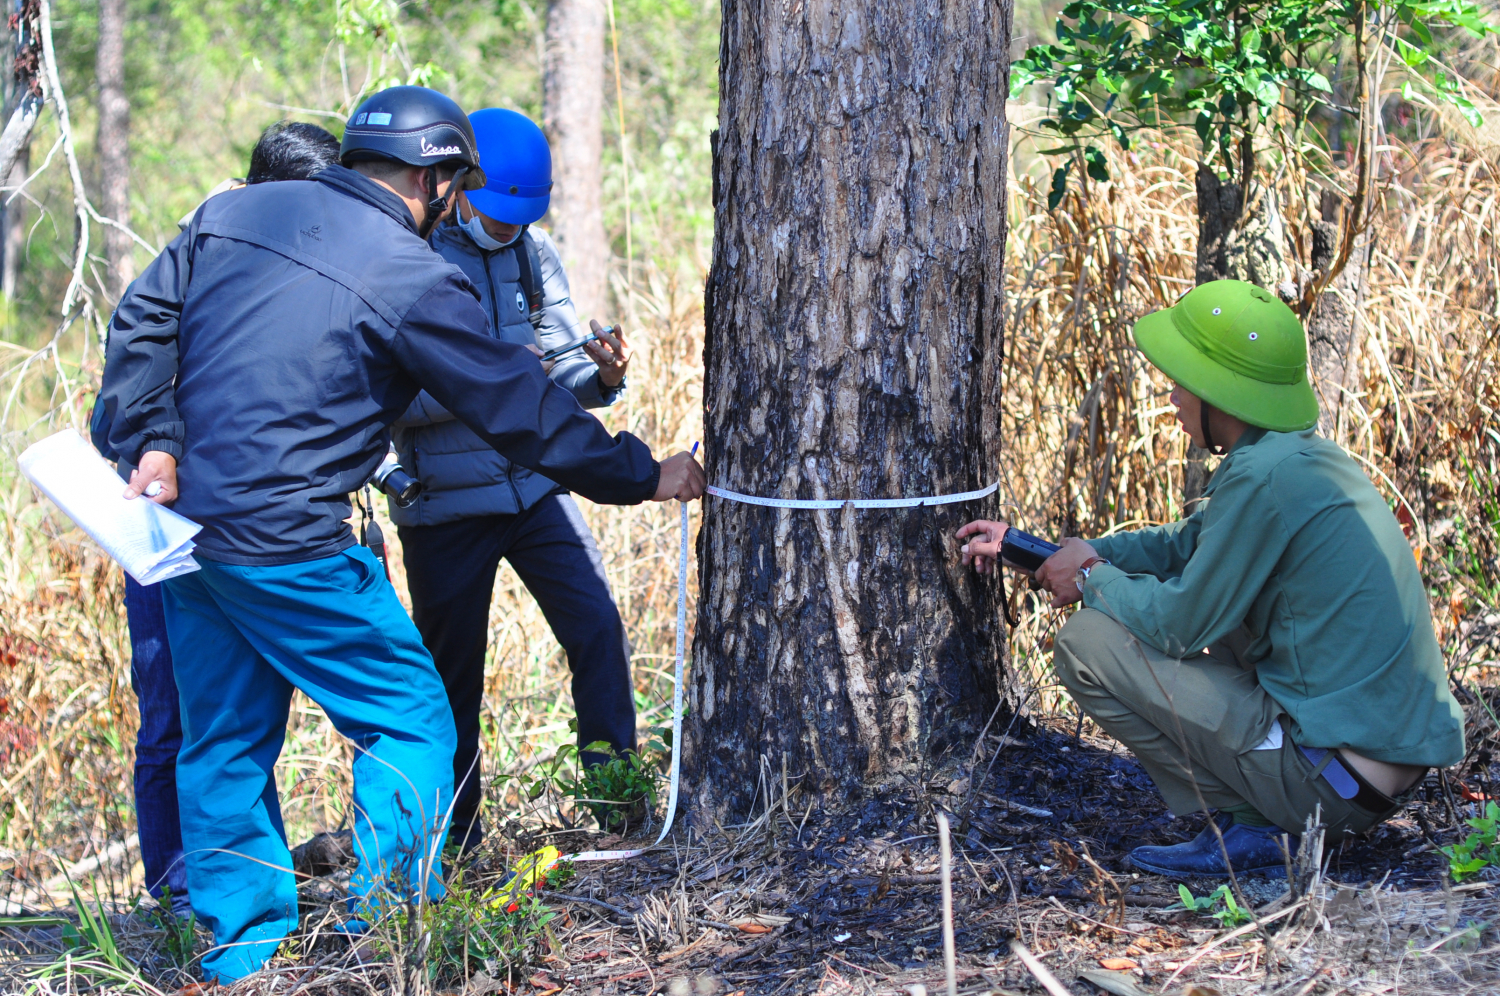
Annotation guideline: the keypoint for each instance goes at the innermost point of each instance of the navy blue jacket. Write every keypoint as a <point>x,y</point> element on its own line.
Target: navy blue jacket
<point>273,342</point>
<point>461,475</point>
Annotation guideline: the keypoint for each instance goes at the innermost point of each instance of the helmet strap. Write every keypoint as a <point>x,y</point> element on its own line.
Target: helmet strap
<point>1205,410</point>
<point>438,206</point>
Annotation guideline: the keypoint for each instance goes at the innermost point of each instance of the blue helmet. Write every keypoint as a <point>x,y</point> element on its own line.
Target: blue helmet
<point>517,167</point>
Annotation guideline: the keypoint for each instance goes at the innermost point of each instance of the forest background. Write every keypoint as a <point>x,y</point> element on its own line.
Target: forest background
<point>1086,422</point>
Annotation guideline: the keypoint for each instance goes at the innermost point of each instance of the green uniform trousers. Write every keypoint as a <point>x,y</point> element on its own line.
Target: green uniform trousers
<point>1194,724</point>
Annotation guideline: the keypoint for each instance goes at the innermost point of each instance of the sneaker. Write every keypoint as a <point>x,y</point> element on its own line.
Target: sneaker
<point>1251,850</point>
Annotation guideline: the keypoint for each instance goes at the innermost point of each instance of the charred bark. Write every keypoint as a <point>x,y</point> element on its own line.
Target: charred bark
<point>114,145</point>
<point>572,114</point>
<point>853,350</point>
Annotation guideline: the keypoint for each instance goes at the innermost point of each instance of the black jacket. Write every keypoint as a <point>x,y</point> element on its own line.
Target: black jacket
<point>273,342</point>
<point>461,476</point>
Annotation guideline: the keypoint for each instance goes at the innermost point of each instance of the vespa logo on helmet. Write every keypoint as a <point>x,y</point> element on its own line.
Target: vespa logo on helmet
<point>440,150</point>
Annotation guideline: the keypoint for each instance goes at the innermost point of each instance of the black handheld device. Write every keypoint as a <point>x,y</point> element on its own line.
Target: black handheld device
<point>553,354</point>
<point>391,478</point>
<point>1024,550</point>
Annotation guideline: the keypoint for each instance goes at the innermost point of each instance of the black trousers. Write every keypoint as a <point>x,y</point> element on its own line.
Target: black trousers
<point>450,572</point>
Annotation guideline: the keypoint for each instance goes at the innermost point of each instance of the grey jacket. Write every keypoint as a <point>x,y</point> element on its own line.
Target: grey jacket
<point>461,475</point>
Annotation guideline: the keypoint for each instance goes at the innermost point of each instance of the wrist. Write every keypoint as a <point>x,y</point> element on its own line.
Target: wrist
<point>166,447</point>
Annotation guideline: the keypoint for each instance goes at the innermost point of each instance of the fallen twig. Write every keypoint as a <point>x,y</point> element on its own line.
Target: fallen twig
<point>1035,967</point>
<point>1237,932</point>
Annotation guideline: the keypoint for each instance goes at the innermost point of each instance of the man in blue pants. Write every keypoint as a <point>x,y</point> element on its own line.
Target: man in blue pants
<point>288,150</point>
<point>476,507</point>
<point>264,353</point>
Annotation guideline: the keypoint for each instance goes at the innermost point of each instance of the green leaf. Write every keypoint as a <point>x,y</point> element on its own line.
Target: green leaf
<point>1098,168</point>
<point>1059,185</point>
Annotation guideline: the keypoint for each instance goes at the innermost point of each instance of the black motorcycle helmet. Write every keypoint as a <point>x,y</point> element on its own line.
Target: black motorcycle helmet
<point>419,127</point>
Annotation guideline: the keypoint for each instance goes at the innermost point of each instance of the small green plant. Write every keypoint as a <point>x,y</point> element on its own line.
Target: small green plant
<point>1231,915</point>
<point>1480,849</point>
<point>471,930</point>
<point>89,946</point>
<point>178,934</point>
<point>617,792</point>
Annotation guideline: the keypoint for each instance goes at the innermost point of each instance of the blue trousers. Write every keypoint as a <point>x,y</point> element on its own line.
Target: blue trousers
<point>243,638</point>
<point>450,572</point>
<point>156,745</point>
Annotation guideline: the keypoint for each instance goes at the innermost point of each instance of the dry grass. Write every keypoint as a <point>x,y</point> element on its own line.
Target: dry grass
<point>1088,421</point>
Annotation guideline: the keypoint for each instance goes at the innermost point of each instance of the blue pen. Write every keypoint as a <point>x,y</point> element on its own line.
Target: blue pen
<point>695,448</point>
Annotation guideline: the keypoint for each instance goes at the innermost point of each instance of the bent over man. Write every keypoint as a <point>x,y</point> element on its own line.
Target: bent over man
<point>476,507</point>
<point>287,150</point>
<point>1273,652</point>
<point>265,352</point>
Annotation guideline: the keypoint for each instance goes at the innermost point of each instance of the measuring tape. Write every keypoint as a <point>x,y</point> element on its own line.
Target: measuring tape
<point>853,502</point>
<point>682,569</point>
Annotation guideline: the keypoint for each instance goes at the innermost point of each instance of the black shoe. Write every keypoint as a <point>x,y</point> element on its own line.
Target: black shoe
<point>1251,851</point>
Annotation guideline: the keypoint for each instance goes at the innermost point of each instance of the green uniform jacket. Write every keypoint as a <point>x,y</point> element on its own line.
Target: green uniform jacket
<point>1296,545</point>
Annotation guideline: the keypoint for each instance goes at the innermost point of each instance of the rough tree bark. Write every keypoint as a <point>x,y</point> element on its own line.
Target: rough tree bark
<point>1241,242</point>
<point>13,228</point>
<point>23,104</point>
<point>1333,327</point>
<point>853,350</point>
<point>572,110</point>
<point>114,145</point>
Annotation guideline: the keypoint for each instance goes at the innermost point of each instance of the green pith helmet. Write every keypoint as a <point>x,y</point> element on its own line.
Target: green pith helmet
<point>1237,347</point>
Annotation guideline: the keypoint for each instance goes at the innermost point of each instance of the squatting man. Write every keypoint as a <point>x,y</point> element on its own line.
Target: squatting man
<point>1273,652</point>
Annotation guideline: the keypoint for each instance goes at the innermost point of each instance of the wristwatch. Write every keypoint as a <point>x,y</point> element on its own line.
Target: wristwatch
<point>1088,565</point>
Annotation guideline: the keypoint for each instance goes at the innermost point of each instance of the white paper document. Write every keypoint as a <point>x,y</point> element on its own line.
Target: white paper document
<point>150,541</point>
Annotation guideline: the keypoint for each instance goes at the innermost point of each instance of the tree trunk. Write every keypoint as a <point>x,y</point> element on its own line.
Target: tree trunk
<point>1236,241</point>
<point>853,350</point>
<point>572,108</point>
<point>1218,214</point>
<point>13,228</point>
<point>114,145</point>
<point>1332,328</point>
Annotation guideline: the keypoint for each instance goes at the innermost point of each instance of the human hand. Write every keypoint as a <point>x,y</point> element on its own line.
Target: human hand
<point>610,351</point>
<point>547,365</point>
<point>1059,572</point>
<point>681,477</point>
<point>984,551</point>
<point>155,477</point>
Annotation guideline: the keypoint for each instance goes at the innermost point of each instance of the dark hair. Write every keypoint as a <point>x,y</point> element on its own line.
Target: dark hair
<point>384,169</point>
<point>292,150</point>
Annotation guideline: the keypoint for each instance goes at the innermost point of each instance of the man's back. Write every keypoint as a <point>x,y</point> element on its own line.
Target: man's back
<point>309,312</point>
<point>1296,543</point>
<point>293,382</point>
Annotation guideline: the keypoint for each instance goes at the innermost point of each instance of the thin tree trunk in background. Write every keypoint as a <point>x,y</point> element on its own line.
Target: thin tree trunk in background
<point>572,114</point>
<point>114,145</point>
<point>1218,214</point>
<point>853,350</point>
<point>13,228</point>
<point>1332,328</point>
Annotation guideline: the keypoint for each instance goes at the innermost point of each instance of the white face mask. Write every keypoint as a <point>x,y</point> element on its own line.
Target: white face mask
<point>484,240</point>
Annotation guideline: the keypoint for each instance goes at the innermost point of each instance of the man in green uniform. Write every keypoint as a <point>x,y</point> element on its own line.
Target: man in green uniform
<point>1272,652</point>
